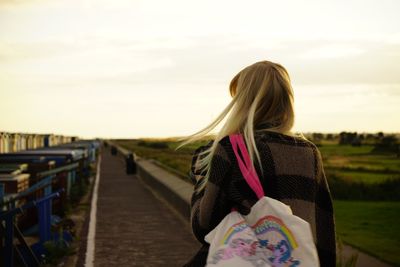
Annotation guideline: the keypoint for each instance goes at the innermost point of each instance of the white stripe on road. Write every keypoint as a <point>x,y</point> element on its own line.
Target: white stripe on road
<point>89,259</point>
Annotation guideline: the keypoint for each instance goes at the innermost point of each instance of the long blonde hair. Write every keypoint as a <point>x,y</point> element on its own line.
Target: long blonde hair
<point>261,95</point>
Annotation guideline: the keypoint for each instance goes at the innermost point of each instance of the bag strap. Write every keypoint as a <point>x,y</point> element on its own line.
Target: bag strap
<point>245,164</point>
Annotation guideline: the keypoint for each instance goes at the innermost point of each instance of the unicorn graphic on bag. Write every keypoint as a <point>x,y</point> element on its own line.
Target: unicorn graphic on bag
<point>246,249</point>
<point>282,256</point>
<point>259,253</point>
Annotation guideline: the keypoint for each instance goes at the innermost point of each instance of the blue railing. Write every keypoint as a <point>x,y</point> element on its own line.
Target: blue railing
<point>72,164</point>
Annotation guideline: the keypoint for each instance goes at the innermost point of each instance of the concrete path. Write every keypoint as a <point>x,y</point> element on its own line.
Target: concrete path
<point>363,260</point>
<point>133,227</point>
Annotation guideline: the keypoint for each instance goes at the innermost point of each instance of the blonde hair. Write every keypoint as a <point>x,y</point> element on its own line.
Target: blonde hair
<point>262,95</point>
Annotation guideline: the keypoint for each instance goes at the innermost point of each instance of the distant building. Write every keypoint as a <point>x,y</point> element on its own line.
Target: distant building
<point>14,142</point>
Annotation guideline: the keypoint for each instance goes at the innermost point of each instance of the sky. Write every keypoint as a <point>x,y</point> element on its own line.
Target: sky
<point>129,69</point>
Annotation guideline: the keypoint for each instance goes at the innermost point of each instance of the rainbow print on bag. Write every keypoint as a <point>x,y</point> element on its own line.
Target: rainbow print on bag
<point>234,229</point>
<point>273,224</point>
<point>274,245</point>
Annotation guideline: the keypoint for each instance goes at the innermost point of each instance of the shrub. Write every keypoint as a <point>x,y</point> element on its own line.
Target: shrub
<point>156,145</point>
<point>346,190</point>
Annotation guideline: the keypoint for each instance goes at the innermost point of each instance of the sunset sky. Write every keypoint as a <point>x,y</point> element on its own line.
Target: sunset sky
<point>130,68</point>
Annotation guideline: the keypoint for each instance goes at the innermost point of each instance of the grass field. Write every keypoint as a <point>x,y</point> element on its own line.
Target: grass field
<point>356,164</point>
<point>359,164</point>
<point>372,227</point>
<point>365,176</point>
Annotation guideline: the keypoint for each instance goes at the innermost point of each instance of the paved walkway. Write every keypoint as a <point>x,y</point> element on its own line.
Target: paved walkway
<point>363,260</point>
<point>133,227</point>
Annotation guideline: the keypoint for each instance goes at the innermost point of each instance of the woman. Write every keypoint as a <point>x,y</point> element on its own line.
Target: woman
<point>289,166</point>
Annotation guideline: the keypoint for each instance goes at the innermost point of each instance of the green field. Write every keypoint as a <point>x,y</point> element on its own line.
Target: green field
<point>372,227</point>
<point>359,164</point>
<point>355,164</point>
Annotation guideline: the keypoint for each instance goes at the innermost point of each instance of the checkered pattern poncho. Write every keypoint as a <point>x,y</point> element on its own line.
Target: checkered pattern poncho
<point>292,173</point>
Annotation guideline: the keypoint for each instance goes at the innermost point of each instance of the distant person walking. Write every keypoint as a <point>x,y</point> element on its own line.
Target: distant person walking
<point>289,166</point>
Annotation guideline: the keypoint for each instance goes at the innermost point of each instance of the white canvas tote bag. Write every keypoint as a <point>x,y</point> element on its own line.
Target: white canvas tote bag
<point>270,235</point>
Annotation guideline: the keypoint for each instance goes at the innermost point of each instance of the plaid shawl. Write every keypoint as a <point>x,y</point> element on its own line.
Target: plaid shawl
<point>292,172</point>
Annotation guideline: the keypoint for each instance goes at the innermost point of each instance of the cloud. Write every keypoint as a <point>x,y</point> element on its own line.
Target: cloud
<point>333,51</point>
<point>14,51</point>
<point>19,3</point>
<point>206,59</point>
<point>88,51</point>
<point>145,42</point>
<point>393,38</point>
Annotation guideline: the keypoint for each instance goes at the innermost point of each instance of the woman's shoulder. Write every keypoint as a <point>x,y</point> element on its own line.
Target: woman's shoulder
<point>284,139</point>
<point>219,153</point>
<point>282,143</point>
<point>202,148</point>
<point>265,137</point>
<point>222,150</point>
<point>222,144</point>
